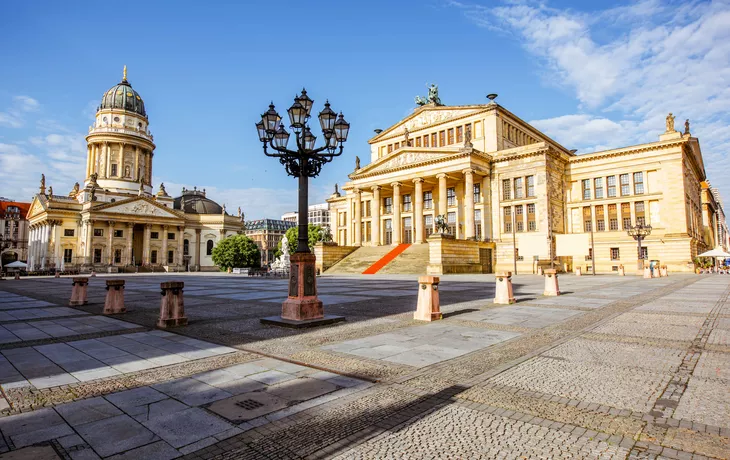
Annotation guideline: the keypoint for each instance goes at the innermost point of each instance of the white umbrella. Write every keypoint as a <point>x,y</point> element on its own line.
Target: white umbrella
<point>16,264</point>
<point>715,253</point>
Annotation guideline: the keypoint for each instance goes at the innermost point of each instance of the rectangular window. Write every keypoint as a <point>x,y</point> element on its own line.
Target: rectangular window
<point>625,190</point>
<point>530,186</point>
<point>428,223</point>
<point>153,256</point>
<point>640,215</point>
<point>612,223</point>
<point>117,256</point>
<point>626,215</point>
<point>97,256</point>
<point>451,222</point>
<point>626,223</point>
<point>433,140</point>
<point>587,219</point>
<point>644,253</point>
<point>531,222</point>
<point>418,141</point>
<point>459,134</point>
<point>586,189</point>
<point>114,170</point>
<point>506,189</point>
<point>519,219</point>
<point>118,233</point>
<point>98,232</point>
<point>67,232</point>
<point>170,257</point>
<point>425,140</point>
<point>406,203</point>
<point>507,219</point>
<point>388,205</point>
<point>519,189</point>
<point>390,148</point>
<point>451,196</point>
<point>155,235</point>
<point>615,254</point>
<point>451,136</point>
<point>477,193</point>
<point>598,183</point>
<point>67,255</point>
<point>478,223</point>
<point>170,236</point>
<point>367,206</point>
<point>611,182</point>
<point>600,219</point>
<point>428,200</point>
<point>638,183</point>
<point>442,138</point>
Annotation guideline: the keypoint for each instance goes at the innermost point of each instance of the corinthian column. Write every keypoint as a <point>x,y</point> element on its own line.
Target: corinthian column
<point>146,245</point>
<point>376,216</point>
<point>180,244</point>
<point>130,235</point>
<point>469,203</point>
<point>164,245</point>
<point>111,242</point>
<point>396,213</point>
<point>442,195</point>
<point>358,217</point>
<point>418,210</point>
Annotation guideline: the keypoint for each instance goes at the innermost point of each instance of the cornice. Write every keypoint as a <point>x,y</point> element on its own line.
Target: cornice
<point>391,134</point>
<point>627,150</point>
<point>441,159</point>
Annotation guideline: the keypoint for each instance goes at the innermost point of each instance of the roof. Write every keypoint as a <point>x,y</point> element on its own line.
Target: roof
<point>268,224</point>
<point>23,208</point>
<point>122,96</point>
<point>195,202</point>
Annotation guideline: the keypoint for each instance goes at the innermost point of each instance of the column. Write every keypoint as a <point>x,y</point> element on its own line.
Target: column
<point>89,150</point>
<point>469,203</point>
<point>375,211</point>
<point>396,213</point>
<point>487,210</point>
<point>197,246</point>
<point>130,248</point>
<point>31,242</point>
<point>163,260</point>
<point>442,195</point>
<point>111,242</point>
<point>418,211</point>
<point>146,244</point>
<point>358,217</point>
<point>180,244</point>
<point>108,172</point>
<point>57,243</point>
<point>120,166</point>
<point>135,173</point>
<point>348,222</point>
<point>89,236</point>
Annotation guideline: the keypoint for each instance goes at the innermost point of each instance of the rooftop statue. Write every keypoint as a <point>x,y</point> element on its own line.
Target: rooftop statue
<point>670,123</point>
<point>432,98</point>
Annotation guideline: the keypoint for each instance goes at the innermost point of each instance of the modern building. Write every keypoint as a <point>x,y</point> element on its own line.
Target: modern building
<point>116,220</point>
<point>319,214</point>
<point>13,231</point>
<point>493,177</point>
<point>267,233</point>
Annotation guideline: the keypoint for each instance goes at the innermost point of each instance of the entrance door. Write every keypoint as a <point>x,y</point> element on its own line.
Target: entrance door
<point>137,244</point>
<point>485,259</point>
<point>388,232</point>
<point>407,230</point>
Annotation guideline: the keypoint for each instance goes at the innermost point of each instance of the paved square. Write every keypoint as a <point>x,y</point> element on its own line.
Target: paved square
<point>521,316</point>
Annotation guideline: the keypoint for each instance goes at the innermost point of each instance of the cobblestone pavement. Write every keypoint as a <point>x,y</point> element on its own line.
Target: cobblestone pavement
<point>618,367</point>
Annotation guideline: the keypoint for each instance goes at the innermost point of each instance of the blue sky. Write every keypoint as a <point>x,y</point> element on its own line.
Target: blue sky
<point>593,75</point>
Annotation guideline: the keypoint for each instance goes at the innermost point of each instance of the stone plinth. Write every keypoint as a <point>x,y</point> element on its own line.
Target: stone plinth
<point>503,290</point>
<point>172,308</point>
<point>621,271</point>
<point>114,303</point>
<point>647,272</point>
<point>551,283</point>
<point>447,255</point>
<point>429,307</point>
<point>78,294</point>
<point>328,254</point>
<point>578,271</point>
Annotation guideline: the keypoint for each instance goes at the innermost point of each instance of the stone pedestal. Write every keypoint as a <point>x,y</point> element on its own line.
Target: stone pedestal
<point>17,276</point>
<point>539,271</point>
<point>78,294</point>
<point>664,271</point>
<point>57,275</point>
<point>114,303</point>
<point>621,271</point>
<point>429,307</point>
<point>578,271</point>
<point>172,308</point>
<point>551,283</point>
<point>93,274</point>
<point>302,308</point>
<point>655,272</point>
<point>647,272</point>
<point>503,290</point>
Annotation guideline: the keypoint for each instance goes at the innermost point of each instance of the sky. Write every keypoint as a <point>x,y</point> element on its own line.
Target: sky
<point>592,75</point>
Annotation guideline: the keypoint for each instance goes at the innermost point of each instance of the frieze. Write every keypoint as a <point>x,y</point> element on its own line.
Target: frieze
<point>139,208</point>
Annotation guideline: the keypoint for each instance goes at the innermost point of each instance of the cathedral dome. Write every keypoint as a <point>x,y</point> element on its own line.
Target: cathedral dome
<point>122,96</point>
<point>195,202</point>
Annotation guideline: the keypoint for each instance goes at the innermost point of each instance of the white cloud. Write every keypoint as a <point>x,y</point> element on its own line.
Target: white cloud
<point>14,116</point>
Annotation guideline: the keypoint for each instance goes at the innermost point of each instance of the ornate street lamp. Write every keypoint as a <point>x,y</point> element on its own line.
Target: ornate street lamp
<point>639,232</point>
<point>303,162</point>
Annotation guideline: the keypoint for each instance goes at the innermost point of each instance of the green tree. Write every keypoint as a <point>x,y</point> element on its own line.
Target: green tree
<point>236,251</point>
<point>316,234</point>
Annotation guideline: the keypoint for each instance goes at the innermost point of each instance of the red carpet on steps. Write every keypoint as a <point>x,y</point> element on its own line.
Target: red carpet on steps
<point>386,259</point>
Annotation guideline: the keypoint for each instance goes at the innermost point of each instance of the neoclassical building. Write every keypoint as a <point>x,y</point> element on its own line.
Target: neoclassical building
<point>116,219</point>
<point>495,178</point>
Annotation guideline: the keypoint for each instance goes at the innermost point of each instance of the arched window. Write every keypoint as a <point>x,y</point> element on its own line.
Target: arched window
<point>209,248</point>
<point>186,247</point>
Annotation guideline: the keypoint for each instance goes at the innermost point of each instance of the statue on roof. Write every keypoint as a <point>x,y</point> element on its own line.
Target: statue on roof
<point>467,137</point>
<point>50,190</point>
<point>432,98</point>
<point>162,191</point>
<point>357,163</point>
<point>239,211</point>
<point>43,181</point>
<point>75,190</point>
<point>224,209</point>
<point>670,123</point>
<point>686,126</point>
<point>407,141</point>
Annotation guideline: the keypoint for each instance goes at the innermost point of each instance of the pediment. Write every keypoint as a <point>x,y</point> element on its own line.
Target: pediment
<point>404,157</point>
<point>139,207</point>
<point>36,207</point>
<point>428,116</point>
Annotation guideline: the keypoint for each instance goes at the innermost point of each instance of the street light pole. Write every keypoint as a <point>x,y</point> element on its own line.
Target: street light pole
<point>639,232</point>
<point>593,249</point>
<point>514,241</point>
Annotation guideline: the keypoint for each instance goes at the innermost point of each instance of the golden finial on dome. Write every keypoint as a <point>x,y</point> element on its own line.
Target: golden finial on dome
<point>124,75</point>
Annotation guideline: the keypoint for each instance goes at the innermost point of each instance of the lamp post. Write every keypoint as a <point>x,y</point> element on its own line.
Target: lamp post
<point>639,232</point>
<point>303,162</point>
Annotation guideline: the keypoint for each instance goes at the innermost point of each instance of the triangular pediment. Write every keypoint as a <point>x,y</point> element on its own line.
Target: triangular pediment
<point>428,116</point>
<point>139,207</point>
<point>37,206</point>
<point>406,156</point>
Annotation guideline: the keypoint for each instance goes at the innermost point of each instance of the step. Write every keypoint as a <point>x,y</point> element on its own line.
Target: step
<point>386,259</point>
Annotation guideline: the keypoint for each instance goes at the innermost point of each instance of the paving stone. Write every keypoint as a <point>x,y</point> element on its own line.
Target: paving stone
<point>115,435</point>
<point>87,410</point>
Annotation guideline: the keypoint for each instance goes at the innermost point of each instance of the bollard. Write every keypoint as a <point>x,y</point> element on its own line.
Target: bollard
<point>57,275</point>
<point>578,271</point>
<point>93,273</point>
<point>114,302</point>
<point>621,271</point>
<point>655,272</point>
<point>503,290</point>
<point>647,272</point>
<point>78,294</point>
<point>17,275</point>
<point>428,307</point>
<point>663,271</point>
<point>551,283</point>
<point>172,309</point>
<point>539,271</point>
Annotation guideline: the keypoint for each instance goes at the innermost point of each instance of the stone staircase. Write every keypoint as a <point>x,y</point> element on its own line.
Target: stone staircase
<point>412,261</point>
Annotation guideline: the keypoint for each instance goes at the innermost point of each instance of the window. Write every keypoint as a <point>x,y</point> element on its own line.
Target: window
<point>624,178</point>
<point>459,134</point>
<point>67,255</point>
<point>186,247</point>
<point>114,169</point>
<point>155,235</point>
<point>170,257</point>
<point>506,189</point>
<point>98,232</point>
<point>519,189</point>
<point>586,189</point>
<point>388,231</point>
<point>153,256</point>
<point>478,224</point>
<point>451,136</point>
<point>388,204</point>
<point>477,193</point>
<point>640,216</point>
<point>531,222</point>
<point>428,200</point>
<point>68,232</point>
<point>530,186</point>
<point>611,181</point>
<point>626,215</point>
<point>519,219</point>
<point>612,217</point>
<point>97,256</point>
<point>638,183</point>
<point>442,138</point>
<point>366,206</point>
<point>425,140</point>
<point>507,219</point>
<point>418,141</point>
<point>644,253</point>
<point>600,219</point>
<point>117,256</point>
<point>587,219</point>
<point>451,221</point>
<point>626,223</point>
<point>590,254</point>
<point>406,203</point>
<point>615,254</point>
<point>390,148</point>
<point>170,236</point>
<point>433,140</point>
<point>598,183</point>
<point>118,233</point>
<point>209,247</point>
<point>451,196</point>
<point>428,223</point>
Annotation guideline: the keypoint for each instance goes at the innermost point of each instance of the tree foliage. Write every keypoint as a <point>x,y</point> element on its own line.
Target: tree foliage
<point>236,251</point>
<point>316,233</point>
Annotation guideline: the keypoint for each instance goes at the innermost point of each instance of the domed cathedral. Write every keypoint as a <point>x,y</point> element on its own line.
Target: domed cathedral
<point>117,222</point>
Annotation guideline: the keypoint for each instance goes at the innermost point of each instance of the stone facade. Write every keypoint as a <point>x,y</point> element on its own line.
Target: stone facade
<point>267,233</point>
<point>495,178</point>
<point>13,231</point>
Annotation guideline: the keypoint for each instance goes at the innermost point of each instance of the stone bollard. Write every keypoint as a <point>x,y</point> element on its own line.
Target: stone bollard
<point>428,308</point>
<point>647,272</point>
<point>655,272</point>
<point>57,275</point>
<point>539,271</point>
<point>114,297</point>
<point>503,290</point>
<point>17,276</point>
<point>78,294</point>
<point>621,271</point>
<point>172,309</point>
<point>663,271</point>
<point>551,282</point>
<point>578,271</point>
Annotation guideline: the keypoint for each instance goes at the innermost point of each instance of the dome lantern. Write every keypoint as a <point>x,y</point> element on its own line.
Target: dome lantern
<point>123,97</point>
